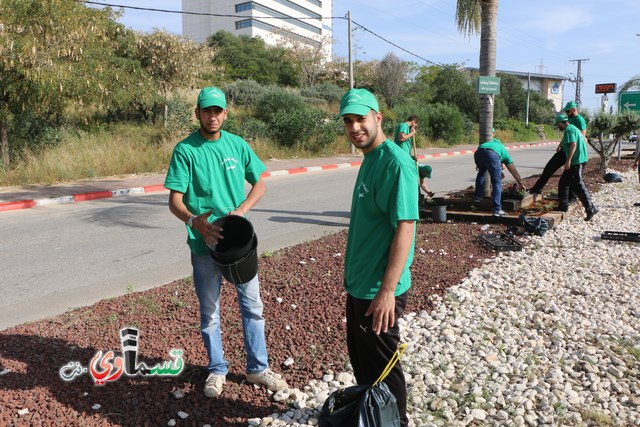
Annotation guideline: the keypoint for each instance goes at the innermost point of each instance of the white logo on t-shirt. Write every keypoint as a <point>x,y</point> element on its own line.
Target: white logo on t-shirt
<point>229,163</point>
<point>362,190</point>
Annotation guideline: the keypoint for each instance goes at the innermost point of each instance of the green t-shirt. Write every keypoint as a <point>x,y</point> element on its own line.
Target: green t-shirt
<point>385,192</point>
<point>579,122</point>
<point>497,146</point>
<point>212,175</point>
<point>406,144</point>
<point>573,134</point>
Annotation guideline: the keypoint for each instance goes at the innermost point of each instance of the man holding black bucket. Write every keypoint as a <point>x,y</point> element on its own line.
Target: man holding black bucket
<point>380,245</point>
<point>206,178</point>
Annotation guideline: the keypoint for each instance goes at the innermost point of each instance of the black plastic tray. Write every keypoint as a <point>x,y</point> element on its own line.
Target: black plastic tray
<point>500,242</point>
<point>623,236</point>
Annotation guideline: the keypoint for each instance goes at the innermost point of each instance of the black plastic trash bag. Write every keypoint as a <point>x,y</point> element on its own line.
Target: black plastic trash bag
<point>612,177</point>
<point>360,406</point>
<point>535,225</point>
<point>363,405</point>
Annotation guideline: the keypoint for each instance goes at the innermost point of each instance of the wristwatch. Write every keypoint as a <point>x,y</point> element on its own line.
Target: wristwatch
<point>190,221</point>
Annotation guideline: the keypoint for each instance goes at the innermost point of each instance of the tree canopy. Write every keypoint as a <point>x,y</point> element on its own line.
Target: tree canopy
<point>249,58</point>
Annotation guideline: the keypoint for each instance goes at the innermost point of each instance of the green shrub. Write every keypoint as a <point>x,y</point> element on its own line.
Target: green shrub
<point>139,109</point>
<point>180,115</point>
<point>303,128</point>
<point>315,101</point>
<point>35,132</point>
<point>276,101</point>
<point>444,122</point>
<point>253,128</point>
<point>244,92</point>
<point>328,91</point>
<point>519,131</point>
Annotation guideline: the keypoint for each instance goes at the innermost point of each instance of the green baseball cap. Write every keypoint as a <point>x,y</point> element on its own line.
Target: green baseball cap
<point>570,106</point>
<point>561,118</point>
<point>359,102</point>
<point>211,96</point>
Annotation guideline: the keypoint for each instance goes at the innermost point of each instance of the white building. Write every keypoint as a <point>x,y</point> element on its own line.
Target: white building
<point>308,21</point>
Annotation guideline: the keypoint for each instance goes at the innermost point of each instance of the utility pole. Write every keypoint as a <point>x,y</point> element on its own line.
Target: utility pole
<point>350,54</point>
<point>526,116</point>
<point>578,80</point>
<point>352,148</point>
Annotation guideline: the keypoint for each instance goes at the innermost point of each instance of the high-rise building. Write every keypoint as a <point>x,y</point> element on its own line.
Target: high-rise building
<point>275,21</point>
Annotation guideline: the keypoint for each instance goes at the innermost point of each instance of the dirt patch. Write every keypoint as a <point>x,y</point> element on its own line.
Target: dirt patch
<point>592,177</point>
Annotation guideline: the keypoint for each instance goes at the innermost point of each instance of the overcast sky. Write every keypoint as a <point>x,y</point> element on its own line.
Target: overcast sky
<point>540,36</point>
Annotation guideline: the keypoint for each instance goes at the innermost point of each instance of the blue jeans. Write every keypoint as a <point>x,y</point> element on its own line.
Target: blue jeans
<point>208,279</point>
<point>488,160</point>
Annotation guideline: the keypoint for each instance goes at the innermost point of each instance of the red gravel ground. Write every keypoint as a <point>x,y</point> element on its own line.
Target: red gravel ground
<point>307,325</point>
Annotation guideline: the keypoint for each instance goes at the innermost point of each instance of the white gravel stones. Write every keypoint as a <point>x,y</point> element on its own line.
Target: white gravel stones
<point>546,336</point>
<point>183,415</point>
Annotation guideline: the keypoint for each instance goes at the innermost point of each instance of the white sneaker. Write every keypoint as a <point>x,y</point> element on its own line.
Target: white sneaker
<point>213,385</point>
<point>500,213</point>
<point>268,378</point>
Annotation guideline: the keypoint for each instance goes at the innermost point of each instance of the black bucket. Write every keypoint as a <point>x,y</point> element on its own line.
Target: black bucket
<point>439,213</point>
<point>237,253</point>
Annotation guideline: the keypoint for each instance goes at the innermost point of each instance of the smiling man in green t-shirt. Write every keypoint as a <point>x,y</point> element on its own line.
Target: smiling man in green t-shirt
<point>380,244</point>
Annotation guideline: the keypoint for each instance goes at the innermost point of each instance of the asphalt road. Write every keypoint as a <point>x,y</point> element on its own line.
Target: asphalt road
<point>69,255</point>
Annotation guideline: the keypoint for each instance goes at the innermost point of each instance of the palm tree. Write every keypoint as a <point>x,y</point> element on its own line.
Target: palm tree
<point>632,83</point>
<point>471,16</point>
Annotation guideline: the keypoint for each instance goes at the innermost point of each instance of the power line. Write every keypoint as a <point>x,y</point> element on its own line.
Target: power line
<point>180,12</point>
<point>219,15</point>
<point>393,44</point>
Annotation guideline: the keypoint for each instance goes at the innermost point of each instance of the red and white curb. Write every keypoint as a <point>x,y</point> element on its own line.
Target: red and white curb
<point>26,204</point>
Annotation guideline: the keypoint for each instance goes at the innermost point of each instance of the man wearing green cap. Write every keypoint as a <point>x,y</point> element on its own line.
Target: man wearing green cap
<point>206,179</point>
<point>575,150</point>
<point>404,138</point>
<point>559,158</point>
<point>571,110</point>
<point>380,245</point>
<point>405,131</point>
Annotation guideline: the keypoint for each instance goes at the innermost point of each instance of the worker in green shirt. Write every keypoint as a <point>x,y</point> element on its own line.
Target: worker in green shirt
<point>575,149</point>
<point>489,157</point>
<point>558,160</point>
<point>405,131</point>
<point>206,179</point>
<point>380,245</point>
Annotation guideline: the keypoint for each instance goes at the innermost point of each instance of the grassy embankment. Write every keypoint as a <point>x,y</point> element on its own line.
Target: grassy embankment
<point>120,149</point>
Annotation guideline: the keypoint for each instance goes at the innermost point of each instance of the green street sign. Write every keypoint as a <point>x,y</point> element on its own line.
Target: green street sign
<point>489,85</point>
<point>629,101</point>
